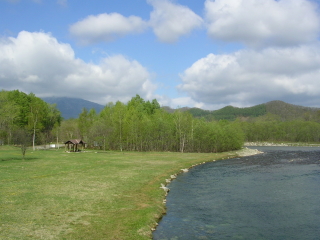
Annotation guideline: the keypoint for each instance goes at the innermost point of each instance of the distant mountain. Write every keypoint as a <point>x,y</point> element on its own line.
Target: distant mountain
<point>168,109</point>
<point>231,113</point>
<point>227,113</point>
<point>172,110</point>
<point>284,111</point>
<point>72,107</point>
<point>287,111</point>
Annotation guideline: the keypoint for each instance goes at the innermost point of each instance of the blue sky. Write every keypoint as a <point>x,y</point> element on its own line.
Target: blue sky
<point>205,54</point>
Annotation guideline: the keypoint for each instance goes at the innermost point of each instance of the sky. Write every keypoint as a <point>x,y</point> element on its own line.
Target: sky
<point>197,53</point>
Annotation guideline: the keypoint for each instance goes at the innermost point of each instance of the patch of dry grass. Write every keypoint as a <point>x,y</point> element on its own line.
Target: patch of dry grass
<point>58,195</point>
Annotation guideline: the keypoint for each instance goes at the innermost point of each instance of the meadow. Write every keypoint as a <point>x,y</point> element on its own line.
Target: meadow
<point>92,194</point>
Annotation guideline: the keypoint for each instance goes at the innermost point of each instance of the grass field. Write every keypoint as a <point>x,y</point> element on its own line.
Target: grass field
<point>89,195</point>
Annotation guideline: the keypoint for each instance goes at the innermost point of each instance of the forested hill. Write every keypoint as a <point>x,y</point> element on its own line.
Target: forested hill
<point>230,112</point>
<point>280,109</point>
<point>72,107</point>
<point>288,111</point>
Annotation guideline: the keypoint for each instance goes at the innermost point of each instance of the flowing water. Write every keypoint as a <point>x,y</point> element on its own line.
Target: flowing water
<point>274,195</point>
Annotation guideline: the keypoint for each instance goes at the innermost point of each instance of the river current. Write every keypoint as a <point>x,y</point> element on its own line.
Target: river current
<point>273,195</point>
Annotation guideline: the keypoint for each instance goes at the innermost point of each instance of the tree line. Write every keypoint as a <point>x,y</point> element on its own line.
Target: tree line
<point>271,127</point>
<point>26,119</point>
<point>141,125</point>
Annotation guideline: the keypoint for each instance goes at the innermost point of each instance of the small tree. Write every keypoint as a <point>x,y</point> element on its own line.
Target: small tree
<point>22,138</point>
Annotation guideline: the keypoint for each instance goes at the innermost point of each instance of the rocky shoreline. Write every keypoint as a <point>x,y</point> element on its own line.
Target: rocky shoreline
<point>244,152</point>
<point>272,144</point>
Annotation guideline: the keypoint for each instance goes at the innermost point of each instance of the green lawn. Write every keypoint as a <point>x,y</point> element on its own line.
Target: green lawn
<point>89,195</point>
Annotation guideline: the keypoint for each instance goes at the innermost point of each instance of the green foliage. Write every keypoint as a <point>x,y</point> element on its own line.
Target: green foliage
<point>276,130</point>
<point>26,111</point>
<point>69,129</point>
<point>85,122</point>
<point>273,121</point>
<point>9,112</point>
<point>22,137</point>
<point>22,100</point>
<point>141,106</point>
<point>141,125</point>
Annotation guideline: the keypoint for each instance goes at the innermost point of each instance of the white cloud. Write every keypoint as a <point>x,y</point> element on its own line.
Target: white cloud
<point>185,102</point>
<point>171,21</point>
<point>38,63</point>
<point>249,77</point>
<point>177,102</point>
<point>262,22</point>
<point>106,27</point>
<point>30,79</point>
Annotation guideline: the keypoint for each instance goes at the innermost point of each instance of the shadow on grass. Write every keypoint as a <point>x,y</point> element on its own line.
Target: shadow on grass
<point>18,158</point>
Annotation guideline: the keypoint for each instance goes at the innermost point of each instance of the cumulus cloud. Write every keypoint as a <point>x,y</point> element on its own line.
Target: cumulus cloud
<point>249,77</point>
<point>37,62</point>
<point>106,27</point>
<point>171,21</point>
<point>260,23</point>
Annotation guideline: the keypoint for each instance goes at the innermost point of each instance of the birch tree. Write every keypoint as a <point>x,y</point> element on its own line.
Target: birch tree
<point>119,112</point>
<point>37,112</point>
<point>8,113</point>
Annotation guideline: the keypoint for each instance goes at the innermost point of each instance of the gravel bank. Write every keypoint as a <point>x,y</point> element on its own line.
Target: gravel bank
<point>271,144</point>
<point>248,152</point>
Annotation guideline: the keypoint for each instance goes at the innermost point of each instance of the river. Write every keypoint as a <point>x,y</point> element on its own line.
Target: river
<point>273,195</point>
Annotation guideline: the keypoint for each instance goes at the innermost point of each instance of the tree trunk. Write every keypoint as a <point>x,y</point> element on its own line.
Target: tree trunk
<point>183,142</point>
<point>33,138</point>
<point>120,134</point>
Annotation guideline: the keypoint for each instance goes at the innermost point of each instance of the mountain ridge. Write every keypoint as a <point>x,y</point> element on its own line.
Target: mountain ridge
<point>284,111</point>
<point>72,107</point>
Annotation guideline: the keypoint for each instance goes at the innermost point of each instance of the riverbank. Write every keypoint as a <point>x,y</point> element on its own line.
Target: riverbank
<point>239,153</point>
<point>225,200</point>
<point>281,144</point>
<point>244,152</point>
